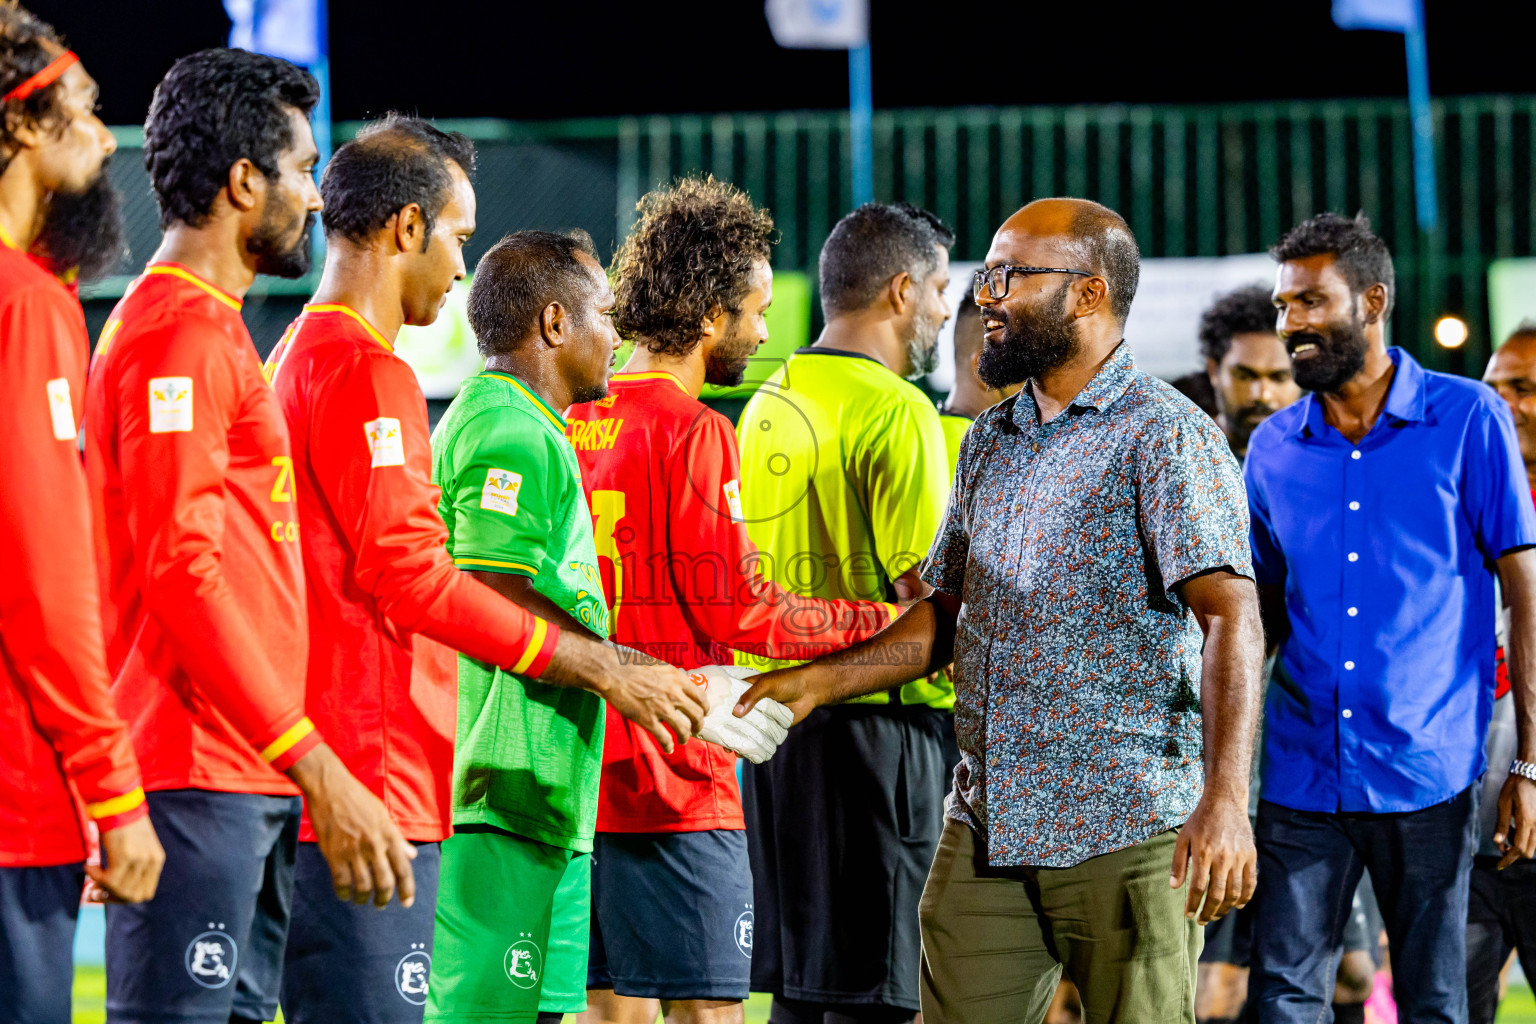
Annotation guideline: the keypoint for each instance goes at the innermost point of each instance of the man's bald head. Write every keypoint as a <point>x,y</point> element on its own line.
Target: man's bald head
<point>1515,359</point>
<point>1512,373</point>
<point>1079,234</point>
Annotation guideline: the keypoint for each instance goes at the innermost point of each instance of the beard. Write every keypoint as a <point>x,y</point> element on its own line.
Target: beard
<point>591,393</point>
<point>922,344</point>
<point>1035,340</point>
<point>269,244</point>
<point>83,230</point>
<point>726,366</point>
<point>1339,356</point>
<point>1242,420</point>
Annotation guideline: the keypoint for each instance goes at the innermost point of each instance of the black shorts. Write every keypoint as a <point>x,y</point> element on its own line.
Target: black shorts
<point>38,910</point>
<point>351,964</point>
<point>210,944</point>
<point>671,915</point>
<point>842,826</point>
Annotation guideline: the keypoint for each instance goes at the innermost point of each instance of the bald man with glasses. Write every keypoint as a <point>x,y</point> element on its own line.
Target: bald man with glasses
<point>1093,582</point>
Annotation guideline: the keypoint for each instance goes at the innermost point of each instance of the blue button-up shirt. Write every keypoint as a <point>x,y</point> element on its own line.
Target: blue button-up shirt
<point>1386,551</point>
<point>1077,664</point>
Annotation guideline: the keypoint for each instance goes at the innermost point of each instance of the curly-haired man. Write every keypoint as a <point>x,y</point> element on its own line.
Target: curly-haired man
<point>672,888</point>
<point>1248,367</point>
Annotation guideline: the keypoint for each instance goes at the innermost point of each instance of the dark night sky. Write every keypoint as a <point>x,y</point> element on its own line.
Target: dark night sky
<point>520,59</point>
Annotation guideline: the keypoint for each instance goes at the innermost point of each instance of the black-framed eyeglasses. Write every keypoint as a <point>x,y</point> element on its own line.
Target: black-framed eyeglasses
<point>995,279</point>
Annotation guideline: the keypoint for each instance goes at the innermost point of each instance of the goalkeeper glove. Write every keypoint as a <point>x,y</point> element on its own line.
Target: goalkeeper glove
<point>754,737</point>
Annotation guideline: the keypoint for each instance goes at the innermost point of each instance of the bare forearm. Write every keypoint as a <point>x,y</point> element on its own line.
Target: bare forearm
<point>315,770</point>
<point>1227,608</point>
<point>580,659</point>
<point>1520,646</point>
<point>519,590</point>
<point>909,648</point>
<point>1229,703</point>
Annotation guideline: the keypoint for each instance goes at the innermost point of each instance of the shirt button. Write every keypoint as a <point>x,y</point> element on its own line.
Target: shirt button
<point>1355,454</point>
<point>1352,612</point>
<point>1354,506</point>
<point>1348,713</point>
<point>1349,665</point>
<point>1353,557</point>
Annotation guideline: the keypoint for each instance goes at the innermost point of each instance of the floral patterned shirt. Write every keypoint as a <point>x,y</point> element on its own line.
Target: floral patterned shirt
<point>1077,664</point>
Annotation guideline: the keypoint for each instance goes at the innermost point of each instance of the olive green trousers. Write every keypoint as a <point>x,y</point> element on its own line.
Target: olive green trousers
<point>996,940</point>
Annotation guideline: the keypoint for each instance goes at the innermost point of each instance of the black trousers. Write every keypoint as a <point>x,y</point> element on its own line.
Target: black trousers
<point>1501,916</point>
<point>1309,866</point>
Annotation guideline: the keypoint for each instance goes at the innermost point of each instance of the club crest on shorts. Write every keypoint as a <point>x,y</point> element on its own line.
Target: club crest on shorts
<point>742,933</point>
<point>211,957</point>
<point>523,962</point>
<point>412,974</point>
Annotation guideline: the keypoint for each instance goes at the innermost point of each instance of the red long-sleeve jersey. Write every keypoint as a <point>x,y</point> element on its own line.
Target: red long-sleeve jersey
<point>202,581</point>
<point>377,570</point>
<point>661,471</point>
<point>62,730</point>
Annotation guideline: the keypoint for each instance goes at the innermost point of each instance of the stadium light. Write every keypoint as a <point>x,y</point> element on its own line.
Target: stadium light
<point>1451,331</point>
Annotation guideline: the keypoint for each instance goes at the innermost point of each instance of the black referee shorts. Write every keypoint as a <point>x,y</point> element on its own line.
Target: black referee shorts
<point>842,826</point>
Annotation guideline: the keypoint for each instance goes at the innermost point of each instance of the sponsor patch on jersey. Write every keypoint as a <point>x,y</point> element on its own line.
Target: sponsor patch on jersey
<point>733,499</point>
<point>385,442</point>
<point>170,405</point>
<point>59,408</point>
<point>500,491</point>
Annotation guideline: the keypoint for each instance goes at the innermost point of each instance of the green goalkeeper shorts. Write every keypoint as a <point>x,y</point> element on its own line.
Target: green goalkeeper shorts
<point>512,929</point>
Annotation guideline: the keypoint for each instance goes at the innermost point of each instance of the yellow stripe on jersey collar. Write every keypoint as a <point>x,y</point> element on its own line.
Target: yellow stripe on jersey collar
<point>177,270</point>
<point>337,307</point>
<point>527,392</point>
<point>651,375</point>
<point>6,239</point>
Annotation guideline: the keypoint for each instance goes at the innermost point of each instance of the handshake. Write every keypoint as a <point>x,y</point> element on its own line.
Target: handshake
<point>754,736</point>
<point>674,705</point>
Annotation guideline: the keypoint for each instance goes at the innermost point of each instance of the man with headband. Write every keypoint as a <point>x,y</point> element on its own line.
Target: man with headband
<point>65,739</point>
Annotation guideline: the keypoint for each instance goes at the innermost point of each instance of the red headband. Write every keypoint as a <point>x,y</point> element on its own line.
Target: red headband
<point>44,78</point>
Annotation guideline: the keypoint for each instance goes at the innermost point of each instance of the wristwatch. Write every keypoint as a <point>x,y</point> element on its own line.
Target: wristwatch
<point>1524,769</point>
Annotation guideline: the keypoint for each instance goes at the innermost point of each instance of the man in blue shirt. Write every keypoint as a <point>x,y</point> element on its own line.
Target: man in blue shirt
<point>1381,506</point>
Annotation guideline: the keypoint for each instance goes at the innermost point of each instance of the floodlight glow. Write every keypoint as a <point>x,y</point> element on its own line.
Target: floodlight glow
<point>1451,331</point>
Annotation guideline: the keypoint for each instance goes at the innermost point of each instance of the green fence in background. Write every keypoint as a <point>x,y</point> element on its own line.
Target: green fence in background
<point>1192,180</point>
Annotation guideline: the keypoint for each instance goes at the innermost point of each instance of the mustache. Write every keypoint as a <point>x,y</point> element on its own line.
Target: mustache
<point>83,231</point>
<point>1255,411</point>
<point>1304,338</point>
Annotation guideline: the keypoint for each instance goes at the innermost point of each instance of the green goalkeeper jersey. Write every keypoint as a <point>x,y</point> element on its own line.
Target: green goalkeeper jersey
<point>843,482</point>
<point>528,755</point>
